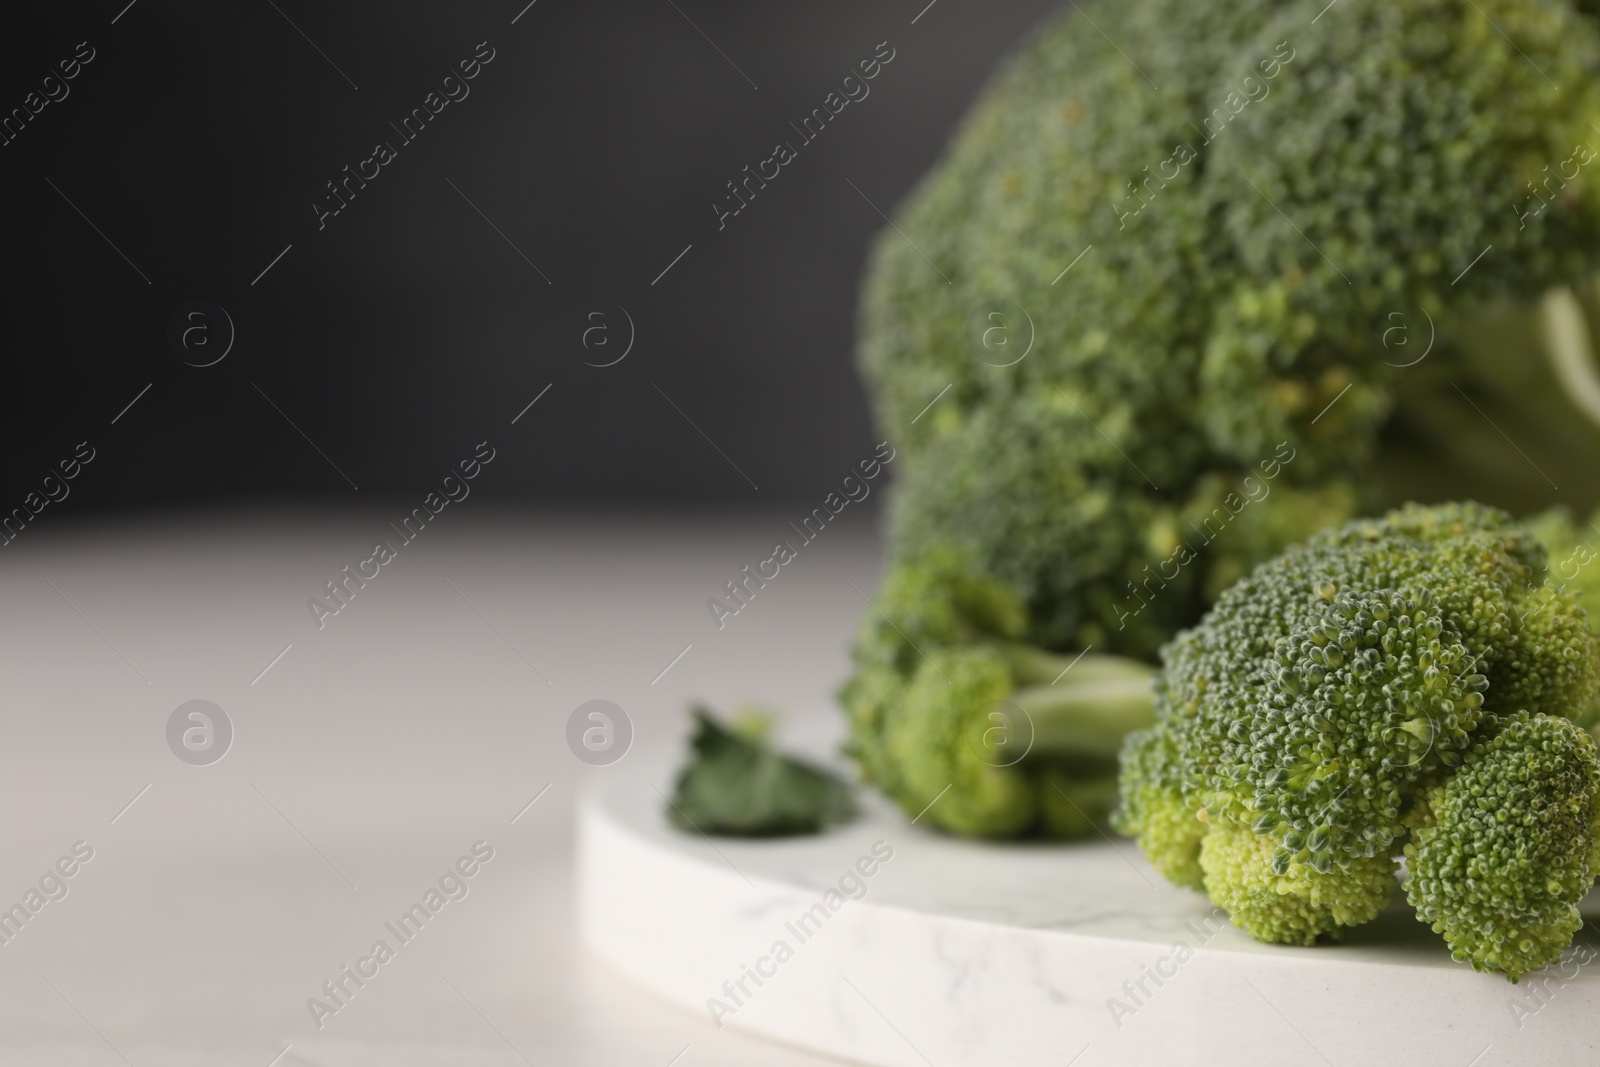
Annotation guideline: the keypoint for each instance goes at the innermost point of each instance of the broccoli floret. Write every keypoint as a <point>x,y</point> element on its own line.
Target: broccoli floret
<point>1297,905</point>
<point>1573,551</point>
<point>1406,684</point>
<point>1503,848</point>
<point>1252,199</point>
<point>961,723</point>
<point>1573,569</point>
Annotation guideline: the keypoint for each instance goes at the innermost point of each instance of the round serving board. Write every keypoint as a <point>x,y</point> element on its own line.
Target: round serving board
<point>886,942</point>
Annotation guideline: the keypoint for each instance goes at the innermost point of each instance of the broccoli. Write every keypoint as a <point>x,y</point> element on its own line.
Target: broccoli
<point>736,785</point>
<point>1528,371</point>
<point>1407,685</point>
<point>1573,549</point>
<point>1238,255</point>
<point>959,721</point>
<point>1246,201</point>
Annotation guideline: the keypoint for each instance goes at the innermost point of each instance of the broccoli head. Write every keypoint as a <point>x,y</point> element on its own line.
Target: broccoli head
<point>1246,203</point>
<point>960,722</point>
<point>1407,684</point>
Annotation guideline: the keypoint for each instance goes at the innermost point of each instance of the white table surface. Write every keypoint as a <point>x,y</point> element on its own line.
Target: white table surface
<point>367,759</point>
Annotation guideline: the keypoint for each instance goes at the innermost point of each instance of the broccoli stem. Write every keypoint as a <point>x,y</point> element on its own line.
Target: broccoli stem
<point>1080,705</point>
<point>1087,718</point>
<point>1569,348</point>
<point>1529,367</point>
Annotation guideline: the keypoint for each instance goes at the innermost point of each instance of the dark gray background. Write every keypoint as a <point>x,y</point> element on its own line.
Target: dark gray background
<point>408,329</point>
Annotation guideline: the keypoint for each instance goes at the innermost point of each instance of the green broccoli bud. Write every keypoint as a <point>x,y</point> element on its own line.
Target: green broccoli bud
<point>979,733</point>
<point>963,728</point>
<point>1299,904</point>
<point>1359,696</point>
<point>1153,809</point>
<point>1506,846</point>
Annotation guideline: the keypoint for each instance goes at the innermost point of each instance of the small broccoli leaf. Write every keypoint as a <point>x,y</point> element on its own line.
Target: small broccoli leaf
<point>735,785</point>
